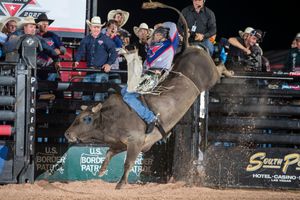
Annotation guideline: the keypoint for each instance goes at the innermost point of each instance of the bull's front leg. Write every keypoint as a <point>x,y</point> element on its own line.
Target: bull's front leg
<point>133,150</point>
<point>109,154</point>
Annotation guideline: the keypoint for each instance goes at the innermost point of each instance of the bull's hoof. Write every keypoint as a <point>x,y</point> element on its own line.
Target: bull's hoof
<point>228,73</point>
<point>101,173</point>
<point>119,186</point>
<point>222,70</point>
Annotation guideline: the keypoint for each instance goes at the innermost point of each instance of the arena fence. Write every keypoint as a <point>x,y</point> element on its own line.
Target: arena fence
<point>252,136</point>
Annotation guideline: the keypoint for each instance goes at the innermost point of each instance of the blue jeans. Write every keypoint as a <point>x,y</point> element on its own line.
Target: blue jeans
<point>132,100</point>
<point>209,46</point>
<point>96,78</point>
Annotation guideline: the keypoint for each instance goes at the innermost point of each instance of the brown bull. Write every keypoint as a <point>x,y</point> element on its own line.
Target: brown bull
<point>115,124</point>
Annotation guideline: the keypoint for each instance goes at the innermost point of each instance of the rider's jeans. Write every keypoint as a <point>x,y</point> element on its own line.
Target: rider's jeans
<point>132,100</point>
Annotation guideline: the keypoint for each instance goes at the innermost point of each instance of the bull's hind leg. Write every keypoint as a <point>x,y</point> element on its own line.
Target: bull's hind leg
<point>109,154</point>
<point>133,150</point>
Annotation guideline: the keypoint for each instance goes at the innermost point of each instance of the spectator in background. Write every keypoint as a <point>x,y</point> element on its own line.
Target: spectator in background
<point>143,33</point>
<point>8,25</point>
<point>28,27</point>
<point>201,23</point>
<point>119,15</point>
<point>125,37</point>
<point>293,59</point>
<point>99,52</point>
<point>50,38</point>
<point>112,32</point>
<point>43,59</point>
<point>244,51</point>
<point>294,43</point>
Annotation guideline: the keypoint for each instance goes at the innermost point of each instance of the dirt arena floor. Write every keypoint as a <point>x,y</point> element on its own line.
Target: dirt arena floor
<point>99,190</point>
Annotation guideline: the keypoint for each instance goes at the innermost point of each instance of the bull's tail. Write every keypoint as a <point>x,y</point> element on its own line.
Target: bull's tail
<point>154,5</point>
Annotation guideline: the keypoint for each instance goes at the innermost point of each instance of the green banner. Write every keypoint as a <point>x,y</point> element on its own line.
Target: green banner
<point>60,163</point>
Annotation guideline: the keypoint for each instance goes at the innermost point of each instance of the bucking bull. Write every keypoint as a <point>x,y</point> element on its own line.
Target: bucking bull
<point>115,124</point>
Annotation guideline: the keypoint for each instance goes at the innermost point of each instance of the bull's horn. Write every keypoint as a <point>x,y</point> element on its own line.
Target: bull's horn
<point>97,108</point>
<point>83,107</point>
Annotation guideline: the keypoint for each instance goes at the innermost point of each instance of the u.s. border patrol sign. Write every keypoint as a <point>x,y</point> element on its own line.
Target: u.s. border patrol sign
<point>84,163</point>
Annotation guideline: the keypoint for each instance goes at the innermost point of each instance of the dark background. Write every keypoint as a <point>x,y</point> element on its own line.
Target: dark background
<point>280,19</point>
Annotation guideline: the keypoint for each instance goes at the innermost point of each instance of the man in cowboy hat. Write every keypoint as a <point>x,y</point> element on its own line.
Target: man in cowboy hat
<point>244,50</point>
<point>51,39</point>
<point>28,27</point>
<point>143,33</point>
<point>99,52</point>
<point>244,34</point>
<point>119,15</point>
<point>8,25</point>
<point>25,27</point>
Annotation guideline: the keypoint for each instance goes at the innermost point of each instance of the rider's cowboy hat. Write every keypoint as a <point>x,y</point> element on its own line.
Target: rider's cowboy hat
<point>43,17</point>
<point>142,26</point>
<point>112,14</point>
<point>26,20</point>
<point>95,21</point>
<point>4,21</point>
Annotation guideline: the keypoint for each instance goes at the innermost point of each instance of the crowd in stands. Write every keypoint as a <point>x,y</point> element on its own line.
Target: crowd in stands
<point>242,50</point>
<point>102,48</point>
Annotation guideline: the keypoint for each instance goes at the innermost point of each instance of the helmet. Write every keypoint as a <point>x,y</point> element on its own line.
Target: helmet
<point>163,31</point>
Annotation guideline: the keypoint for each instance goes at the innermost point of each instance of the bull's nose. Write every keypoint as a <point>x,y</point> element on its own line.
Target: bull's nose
<point>69,138</point>
<point>67,135</point>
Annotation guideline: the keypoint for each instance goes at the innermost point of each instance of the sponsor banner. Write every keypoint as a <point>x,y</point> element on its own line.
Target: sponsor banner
<point>267,167</point>
<point>47,156</point>
<point>69,17</point>
<point>58,162</point>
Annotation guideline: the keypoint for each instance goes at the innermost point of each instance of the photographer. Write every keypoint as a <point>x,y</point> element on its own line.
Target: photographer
<point>292,63</point>
<point>244,52</point>
<point>201,23</point>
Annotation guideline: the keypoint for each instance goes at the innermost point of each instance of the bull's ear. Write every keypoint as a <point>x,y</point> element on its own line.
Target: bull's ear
<point>83,107</point>
<point>97,108</point>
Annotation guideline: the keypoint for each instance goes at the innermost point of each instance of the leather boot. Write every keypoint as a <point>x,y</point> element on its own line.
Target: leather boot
<point>151,126</point>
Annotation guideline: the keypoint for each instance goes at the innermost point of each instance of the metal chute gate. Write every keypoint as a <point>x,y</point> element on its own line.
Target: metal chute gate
<point>17,116</point>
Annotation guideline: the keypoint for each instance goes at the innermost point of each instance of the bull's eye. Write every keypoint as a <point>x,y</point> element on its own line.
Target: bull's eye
<point>87,119</point>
